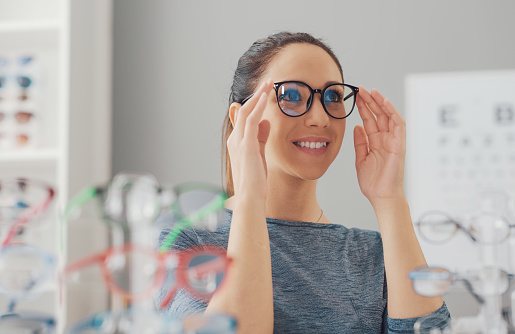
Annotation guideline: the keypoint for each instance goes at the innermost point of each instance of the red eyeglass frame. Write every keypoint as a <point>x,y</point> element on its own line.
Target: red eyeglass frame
<point>182,259</point>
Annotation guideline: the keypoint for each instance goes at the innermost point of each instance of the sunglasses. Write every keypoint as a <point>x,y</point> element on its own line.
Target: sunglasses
<point>21,117</point>
<point>295,98</point>
<point>199,271</point>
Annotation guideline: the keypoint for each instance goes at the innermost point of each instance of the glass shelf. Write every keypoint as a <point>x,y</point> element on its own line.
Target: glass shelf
<point>29,155</point>
<point>28,26</point>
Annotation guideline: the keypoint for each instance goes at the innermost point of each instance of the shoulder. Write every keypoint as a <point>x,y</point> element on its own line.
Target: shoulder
<point>364,249</point>
<point>190,237</point>
<point>366,240</point>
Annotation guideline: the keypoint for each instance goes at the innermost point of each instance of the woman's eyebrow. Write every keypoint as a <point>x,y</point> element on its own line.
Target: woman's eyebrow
<point>331,83</point>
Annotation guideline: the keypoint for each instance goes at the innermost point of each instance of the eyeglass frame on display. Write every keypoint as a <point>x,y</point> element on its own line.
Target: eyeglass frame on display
<point>49,261</point>
<point>179,259</point>
<point>179,326</point>
<point>453,277</point>
<point>443,320</point>
<point>18,116</point>
<point>312,91</point>
<point>461,227</point>
<point>47,320</point>
<point>28,215</point>
<point>185,221</point>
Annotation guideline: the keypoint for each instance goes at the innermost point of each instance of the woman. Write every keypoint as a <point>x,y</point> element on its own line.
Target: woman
<point>294,271</point>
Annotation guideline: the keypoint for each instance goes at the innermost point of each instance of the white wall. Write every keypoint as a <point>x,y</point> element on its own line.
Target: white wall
<point>174,60</point>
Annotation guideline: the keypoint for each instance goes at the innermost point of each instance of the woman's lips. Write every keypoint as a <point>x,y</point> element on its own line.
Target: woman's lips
<point>312,146</point>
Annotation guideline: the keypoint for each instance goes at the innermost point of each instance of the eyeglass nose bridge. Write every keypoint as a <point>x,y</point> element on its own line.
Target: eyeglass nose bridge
<point>312,96</point>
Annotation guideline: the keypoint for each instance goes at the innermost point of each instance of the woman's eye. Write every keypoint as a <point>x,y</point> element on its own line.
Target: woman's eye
<point>291,96</point>
<point>333,96</point>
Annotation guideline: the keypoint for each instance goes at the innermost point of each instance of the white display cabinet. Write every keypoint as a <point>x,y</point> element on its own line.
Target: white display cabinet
<point>70,42</point>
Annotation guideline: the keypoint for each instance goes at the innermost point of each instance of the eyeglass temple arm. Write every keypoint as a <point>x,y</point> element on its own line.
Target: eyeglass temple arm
<point>216,204</point>
<point>87,261</point>
<point>168,298</point>
<point>470,289</point>
<point>80,199</point>
<point>217,265</point>
<point>210,266</point>
<point>355,90</point>
<point>15,227</point>
<point>12,303</point>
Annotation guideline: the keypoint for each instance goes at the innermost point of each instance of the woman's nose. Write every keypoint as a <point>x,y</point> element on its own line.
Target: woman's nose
<point>316,115</point>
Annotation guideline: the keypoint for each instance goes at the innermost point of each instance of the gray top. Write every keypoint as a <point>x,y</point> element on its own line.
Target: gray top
<point>326,278</point>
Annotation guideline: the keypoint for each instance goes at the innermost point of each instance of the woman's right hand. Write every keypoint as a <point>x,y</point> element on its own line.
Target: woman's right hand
<point>246,146</point>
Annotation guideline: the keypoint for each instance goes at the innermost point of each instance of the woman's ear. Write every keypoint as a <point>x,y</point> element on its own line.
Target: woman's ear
<point>233,112</point>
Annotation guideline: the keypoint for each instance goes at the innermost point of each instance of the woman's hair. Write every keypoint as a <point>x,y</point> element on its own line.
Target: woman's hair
<point>251,66</point>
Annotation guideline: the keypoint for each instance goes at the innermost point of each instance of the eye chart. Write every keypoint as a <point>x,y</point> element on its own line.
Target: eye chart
<point>460,142</point>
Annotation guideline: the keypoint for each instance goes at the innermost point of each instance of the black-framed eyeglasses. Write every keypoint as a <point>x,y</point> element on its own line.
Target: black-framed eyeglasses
<point>294,98</point>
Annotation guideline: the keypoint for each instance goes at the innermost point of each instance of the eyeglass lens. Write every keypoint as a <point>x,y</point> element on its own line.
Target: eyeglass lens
<point>433,325</point>
<point>437,227</point>
<point>485,228</point>
<point>295,99</point>
<point>206,273</point>
<point>132,271</point>
<point>431,282</point>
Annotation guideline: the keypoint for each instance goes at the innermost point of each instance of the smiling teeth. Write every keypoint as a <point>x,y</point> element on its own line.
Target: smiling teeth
<point>314,145</point>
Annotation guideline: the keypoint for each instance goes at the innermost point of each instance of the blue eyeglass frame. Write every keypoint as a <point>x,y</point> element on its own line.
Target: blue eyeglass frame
<point>214,324</point>
<point>45,320</point>
<point>312,91</point>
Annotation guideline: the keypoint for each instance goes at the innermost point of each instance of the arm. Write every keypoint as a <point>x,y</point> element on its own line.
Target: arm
<point>380,146</point>
<point>248,294</point>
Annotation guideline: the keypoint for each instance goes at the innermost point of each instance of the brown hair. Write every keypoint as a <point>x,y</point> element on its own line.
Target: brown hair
<point>251,67</point>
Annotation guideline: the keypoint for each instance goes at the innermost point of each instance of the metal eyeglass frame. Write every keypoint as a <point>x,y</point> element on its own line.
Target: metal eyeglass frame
<point>312,91</point>
<point>458,226</point>
<point>31,212</point>
<point>443,274</point>
<point>176,261</point>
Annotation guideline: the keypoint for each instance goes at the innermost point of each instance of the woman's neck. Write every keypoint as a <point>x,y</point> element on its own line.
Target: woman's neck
<point>289,198</point>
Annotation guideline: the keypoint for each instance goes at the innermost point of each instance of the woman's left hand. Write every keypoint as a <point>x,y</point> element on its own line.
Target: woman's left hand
<point>380,146</point>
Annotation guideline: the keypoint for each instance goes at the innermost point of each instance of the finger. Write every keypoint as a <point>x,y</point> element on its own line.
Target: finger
<point>252,125</point>
<point>369,121</point>
<point>397,123</point>
<point>360,144</point>
<point>387,106</point>
<point>263,132</point>
<point>375,107</point>
<point>245,111</point>
<point>392,112</point>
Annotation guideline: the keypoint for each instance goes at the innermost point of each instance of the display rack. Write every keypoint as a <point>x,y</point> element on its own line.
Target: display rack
<point>72,42</point>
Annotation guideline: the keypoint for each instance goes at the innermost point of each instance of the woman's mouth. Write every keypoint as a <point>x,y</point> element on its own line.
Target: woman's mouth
<point>311,145</point>
<point>313,148</point>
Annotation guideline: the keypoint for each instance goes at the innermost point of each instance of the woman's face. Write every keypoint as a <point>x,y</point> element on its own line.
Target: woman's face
<point>315,67</point>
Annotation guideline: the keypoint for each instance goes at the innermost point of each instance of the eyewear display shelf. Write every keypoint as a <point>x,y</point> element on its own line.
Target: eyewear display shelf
<point>69,133</point>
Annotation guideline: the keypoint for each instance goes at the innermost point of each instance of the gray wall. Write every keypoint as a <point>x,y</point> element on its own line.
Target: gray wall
<point>173,63</point>
<point>174,60</point>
